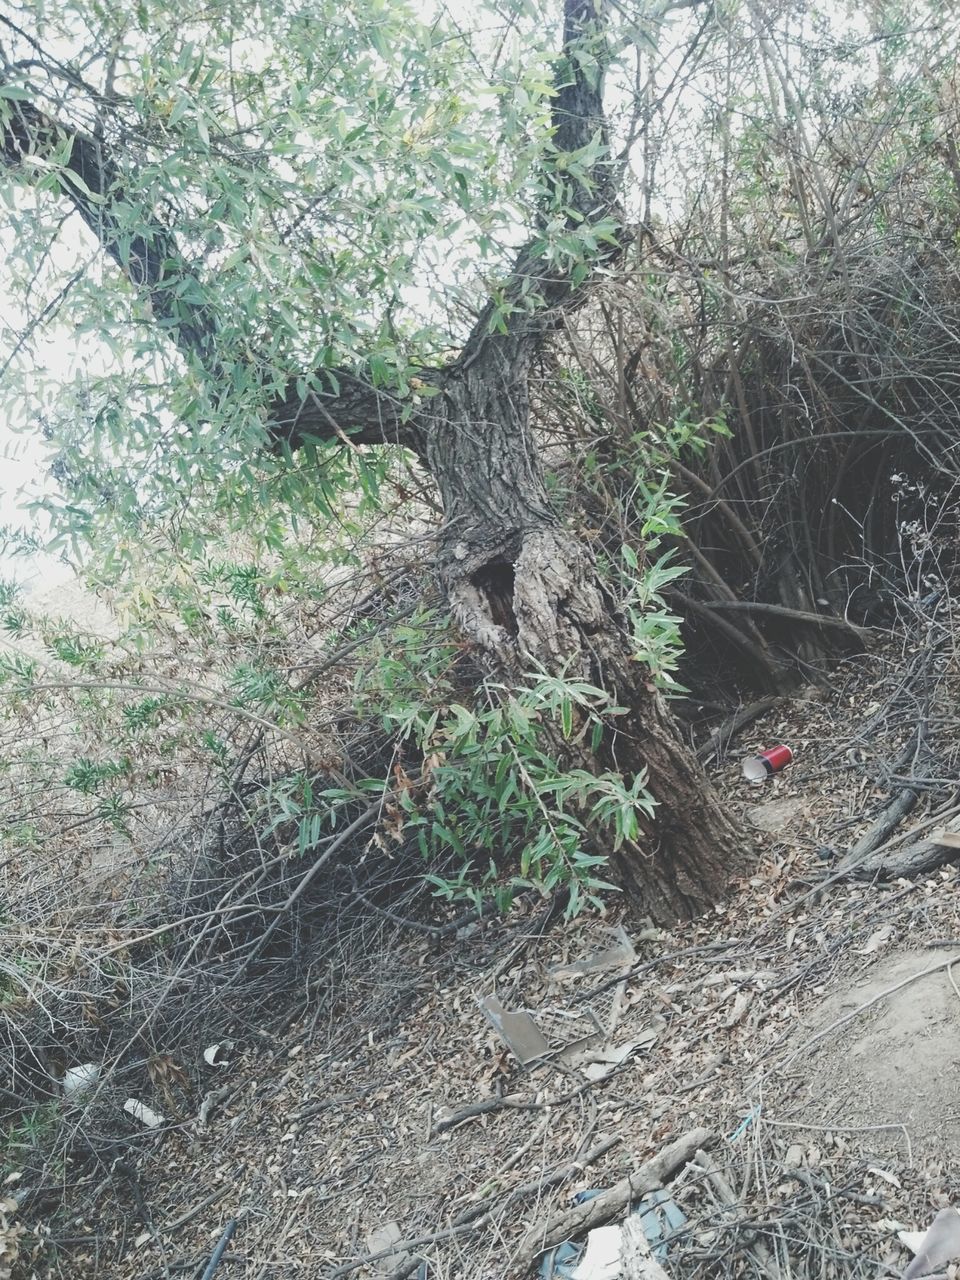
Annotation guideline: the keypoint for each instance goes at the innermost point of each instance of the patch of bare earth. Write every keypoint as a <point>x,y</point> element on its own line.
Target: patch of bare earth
<point>885,1056</point>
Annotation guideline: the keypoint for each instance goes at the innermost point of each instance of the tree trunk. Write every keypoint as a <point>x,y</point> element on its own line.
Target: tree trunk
<point>520,584</point>
<point>523,588</point>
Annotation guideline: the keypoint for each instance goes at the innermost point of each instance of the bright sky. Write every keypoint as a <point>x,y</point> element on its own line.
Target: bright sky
<point>23,478</point>
<point>24,455</point>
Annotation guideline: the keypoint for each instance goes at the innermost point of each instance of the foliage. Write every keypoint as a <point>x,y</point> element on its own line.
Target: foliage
<point>341,155</point>
<point>498,784</point>
<point>494,785</point>
<point>347,187</point>
<point>275,726</point>
<point>338,155</point>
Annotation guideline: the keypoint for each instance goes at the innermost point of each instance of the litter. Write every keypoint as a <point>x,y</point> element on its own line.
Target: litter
<point>555,1032</point>
<point>620,956</point>
<point>381,1239</point>
<point>215,1055</point>
<point>657,1216</point>
<point>759,767</point>
<point>517,1030</point>
<point>80,1080</point>
<point>598,1063</point>
<point>146,1115</point>
<point>938,1247</point>
<point>562,1029</point>
<point>601,1258</point>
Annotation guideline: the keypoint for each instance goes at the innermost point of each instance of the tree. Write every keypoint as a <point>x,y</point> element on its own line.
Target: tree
<point>523,587</point>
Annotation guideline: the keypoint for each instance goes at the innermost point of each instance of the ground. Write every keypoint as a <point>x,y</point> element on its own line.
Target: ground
<point>888,1062</point>
<point>791,1023</point>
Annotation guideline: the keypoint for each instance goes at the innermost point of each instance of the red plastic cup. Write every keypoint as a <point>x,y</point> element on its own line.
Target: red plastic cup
<point>757,768</point>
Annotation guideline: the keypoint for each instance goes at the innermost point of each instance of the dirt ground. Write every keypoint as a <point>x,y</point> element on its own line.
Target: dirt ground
<point>888,1058</point>
<point>812,1027</point>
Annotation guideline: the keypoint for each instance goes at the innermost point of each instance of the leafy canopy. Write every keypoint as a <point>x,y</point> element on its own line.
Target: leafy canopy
<point>342,184</point>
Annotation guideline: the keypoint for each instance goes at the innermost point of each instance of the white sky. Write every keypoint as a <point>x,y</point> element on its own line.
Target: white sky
<point>23,453</point>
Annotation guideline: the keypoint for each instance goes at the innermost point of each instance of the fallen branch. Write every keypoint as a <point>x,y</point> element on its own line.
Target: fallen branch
<point>636,1260</point>
<point>727,1197</point>
<point>217,1256</point>
<point>166,1269</point>
<point>915,860</point>
<point>733,724</point>
<point>481,1109</point>
<point>571,1223</point>
<point>566,1171</point>
<point>469,1223</point>
<point>775,674</point>
<point>796,615</point>
<point>891,817</point>
<point>473,1217</point>
<point>858,860</point>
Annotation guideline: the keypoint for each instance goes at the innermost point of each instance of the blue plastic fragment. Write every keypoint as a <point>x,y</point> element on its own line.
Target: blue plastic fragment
<point>745,1123</point>
<point>660,1216</point>
<point>561,1262</point>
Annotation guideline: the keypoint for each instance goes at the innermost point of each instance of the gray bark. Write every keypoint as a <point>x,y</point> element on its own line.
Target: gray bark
<point>522,587</point>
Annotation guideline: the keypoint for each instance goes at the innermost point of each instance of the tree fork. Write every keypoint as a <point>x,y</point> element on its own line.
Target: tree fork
<point>520,584</point>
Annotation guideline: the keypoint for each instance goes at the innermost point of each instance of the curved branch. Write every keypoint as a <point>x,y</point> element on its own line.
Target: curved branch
<point>150,258</point>
<point>92,182</point>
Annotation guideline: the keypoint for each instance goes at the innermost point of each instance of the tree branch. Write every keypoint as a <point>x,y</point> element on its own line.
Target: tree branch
<point>356,412</point>
<point>578,120</point>
<point>92,182</point>
<point>150,258</point>
<point>343,403</point>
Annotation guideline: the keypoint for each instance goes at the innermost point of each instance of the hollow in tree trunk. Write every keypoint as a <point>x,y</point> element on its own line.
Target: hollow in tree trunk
<point>522,586</point>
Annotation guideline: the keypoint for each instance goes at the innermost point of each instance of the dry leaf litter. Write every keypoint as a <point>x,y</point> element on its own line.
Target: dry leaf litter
<point>381,1122</point>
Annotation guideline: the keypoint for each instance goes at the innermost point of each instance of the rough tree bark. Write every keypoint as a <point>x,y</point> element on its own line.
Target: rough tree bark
<point>521,584</point>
